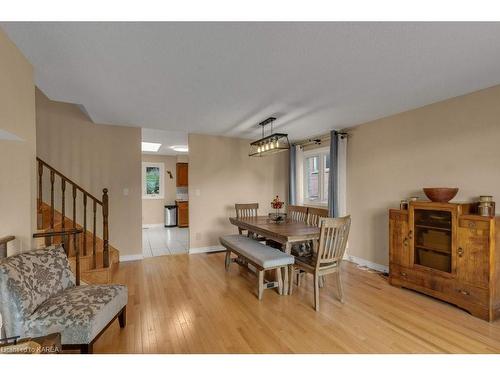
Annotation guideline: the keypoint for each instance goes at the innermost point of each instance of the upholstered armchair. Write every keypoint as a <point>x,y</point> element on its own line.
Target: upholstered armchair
<point>38,297</point>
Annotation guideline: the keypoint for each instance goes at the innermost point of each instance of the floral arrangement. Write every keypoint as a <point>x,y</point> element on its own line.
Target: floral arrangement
<point>276,203</point>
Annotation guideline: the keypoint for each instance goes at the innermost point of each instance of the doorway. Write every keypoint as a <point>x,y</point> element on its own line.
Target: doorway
<point>165,223</point>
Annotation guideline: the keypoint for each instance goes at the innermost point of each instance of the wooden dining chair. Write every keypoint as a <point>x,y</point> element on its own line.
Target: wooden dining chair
<point>314,214</point>
<point>247,210</point>
<point>306,249</point>
<point>296,213</point>
<point>328,255</point>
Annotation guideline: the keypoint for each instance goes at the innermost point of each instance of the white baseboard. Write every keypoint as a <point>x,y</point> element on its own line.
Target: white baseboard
<point>130,258</point>
<point>207,249</point>
<point>146,226</point>
<point>366,263</point>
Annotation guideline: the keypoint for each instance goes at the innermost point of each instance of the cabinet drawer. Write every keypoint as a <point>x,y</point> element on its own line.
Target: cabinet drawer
<point>426,279</point>
<point>457,291</point>
<point>474,224</point>
<point>407,274</point>
<point>478,296</point>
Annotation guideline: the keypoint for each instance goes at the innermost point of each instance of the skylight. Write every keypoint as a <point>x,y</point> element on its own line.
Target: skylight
<point>150,147</point>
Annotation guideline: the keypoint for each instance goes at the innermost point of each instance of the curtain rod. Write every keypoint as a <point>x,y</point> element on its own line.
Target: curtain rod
<point>318,140</point>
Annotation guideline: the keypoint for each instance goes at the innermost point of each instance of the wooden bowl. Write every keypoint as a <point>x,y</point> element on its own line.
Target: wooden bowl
<point>442,195</point>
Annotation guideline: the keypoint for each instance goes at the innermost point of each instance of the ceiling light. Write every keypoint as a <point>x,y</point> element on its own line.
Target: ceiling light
<point>273,143</point>
<point>180,148</point>
<point>150,147</point>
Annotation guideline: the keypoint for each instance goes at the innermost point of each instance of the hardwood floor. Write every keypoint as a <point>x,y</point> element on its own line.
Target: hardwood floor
<point>189,304</point>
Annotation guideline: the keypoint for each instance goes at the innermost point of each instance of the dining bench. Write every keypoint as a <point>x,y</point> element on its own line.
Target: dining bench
<point>260,256</point>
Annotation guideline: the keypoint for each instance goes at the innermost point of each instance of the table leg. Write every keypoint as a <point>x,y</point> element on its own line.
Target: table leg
<point>287,248</point>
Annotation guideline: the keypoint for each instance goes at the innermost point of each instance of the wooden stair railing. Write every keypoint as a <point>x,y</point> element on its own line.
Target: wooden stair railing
<point>85,195</point>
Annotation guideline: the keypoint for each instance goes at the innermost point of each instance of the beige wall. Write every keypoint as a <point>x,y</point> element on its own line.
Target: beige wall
<point>153,209</point>
<point>451,143</point>
<point>223,174</point>
<point>17,158</point>
<point>96,156</point>
<point>182,158</point>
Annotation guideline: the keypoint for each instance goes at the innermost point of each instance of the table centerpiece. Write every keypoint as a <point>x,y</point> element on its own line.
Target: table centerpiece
<point>277,204</point>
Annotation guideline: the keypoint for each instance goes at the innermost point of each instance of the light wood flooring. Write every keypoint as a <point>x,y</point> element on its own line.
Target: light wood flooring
<point>189,304</point>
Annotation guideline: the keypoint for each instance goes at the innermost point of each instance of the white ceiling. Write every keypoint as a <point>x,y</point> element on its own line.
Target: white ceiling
<point>223,78</point>
<point>167,138</point>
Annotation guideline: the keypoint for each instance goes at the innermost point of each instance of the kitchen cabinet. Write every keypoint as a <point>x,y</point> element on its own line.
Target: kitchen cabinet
<point>182,174</point>
<point>182,214</point>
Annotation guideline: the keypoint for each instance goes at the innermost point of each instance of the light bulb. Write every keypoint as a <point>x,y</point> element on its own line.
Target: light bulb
<point>267,146</point>
<point>258,149</point>
<point>272,145</point>
<point>277,144</point>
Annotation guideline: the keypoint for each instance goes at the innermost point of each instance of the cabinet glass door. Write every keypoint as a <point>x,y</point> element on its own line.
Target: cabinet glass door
<point>432,243</point>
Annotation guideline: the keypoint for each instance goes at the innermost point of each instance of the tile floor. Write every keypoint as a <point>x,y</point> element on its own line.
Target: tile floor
<point>164,241</point>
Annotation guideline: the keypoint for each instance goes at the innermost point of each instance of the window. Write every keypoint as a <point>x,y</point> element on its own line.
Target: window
<point>153,185</point>
<point>316,176</point>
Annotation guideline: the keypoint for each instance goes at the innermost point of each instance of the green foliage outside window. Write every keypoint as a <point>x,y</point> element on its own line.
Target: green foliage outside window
<point>152,180</point>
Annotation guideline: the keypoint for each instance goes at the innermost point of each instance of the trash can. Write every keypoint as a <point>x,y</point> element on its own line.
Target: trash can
<point>170,215</point>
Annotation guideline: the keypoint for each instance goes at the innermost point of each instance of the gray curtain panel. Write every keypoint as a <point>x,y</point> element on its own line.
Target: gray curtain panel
<point>333,204</point>
<point>293,178</point>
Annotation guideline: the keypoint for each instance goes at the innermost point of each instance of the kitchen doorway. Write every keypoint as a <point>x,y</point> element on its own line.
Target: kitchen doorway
<point>165,203</point>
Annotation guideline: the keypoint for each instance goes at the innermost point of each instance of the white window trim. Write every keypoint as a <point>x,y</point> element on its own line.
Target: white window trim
<point>306,154</point>
<point>161,166</point>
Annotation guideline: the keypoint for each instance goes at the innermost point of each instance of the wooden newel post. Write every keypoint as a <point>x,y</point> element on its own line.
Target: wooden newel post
<point>105,232</point>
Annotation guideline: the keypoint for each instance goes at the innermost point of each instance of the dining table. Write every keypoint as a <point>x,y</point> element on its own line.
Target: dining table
<point>286,233</point>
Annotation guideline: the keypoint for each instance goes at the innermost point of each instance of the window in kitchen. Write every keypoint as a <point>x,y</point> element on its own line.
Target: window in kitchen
<point>153,184</point>
<point>316,175</point>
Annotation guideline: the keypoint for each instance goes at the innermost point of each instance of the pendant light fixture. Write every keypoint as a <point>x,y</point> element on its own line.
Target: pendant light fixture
<point>271,144</point>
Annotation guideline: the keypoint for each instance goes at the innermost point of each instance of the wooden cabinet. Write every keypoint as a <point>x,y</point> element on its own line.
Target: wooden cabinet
<point>182,214</point>
<point>399,252</point>
<point>182,174</point>
<point>473,252</point>
<point>443,250</point>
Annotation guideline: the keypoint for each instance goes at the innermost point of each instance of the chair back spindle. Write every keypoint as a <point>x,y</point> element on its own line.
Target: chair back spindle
<point>297,213</point>
<point>314,214</point>
<point>333,240</point>
<point>246,210</point>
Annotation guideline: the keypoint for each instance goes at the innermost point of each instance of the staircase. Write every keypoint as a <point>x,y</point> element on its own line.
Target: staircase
<point>63,205</point>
